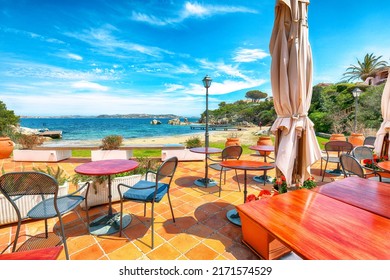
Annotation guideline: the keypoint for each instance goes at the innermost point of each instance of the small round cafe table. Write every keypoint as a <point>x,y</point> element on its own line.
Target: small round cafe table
<point>263,150</point>
<point>245,165</point>
<point>205,182</point>
<point>109,223</point>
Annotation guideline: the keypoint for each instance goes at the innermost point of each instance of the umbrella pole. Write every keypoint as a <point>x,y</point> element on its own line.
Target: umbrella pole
<point>278,173</point>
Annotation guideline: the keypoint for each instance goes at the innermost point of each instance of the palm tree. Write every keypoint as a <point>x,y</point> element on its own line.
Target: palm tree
<point>365,69</point>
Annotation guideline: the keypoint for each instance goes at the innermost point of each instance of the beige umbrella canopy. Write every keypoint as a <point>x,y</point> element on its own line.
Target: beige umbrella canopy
<point>291,78</point>
<point>385,126</point>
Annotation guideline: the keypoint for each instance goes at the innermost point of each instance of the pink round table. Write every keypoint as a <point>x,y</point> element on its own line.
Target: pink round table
<point>205,182</point>
<point>107,224</point>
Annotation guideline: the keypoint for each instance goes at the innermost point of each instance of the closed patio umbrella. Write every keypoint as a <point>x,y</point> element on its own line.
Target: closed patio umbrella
<point>385,126</point>
<point>296,146</point>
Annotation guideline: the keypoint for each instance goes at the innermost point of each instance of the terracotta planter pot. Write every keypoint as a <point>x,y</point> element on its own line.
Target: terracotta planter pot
<point>337,137</point>
<point>356,139</point>
<point>232,142</point>
<point>6,147</point>
<point>264,141</point>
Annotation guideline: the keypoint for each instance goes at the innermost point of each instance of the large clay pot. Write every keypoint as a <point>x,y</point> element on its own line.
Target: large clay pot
<point>6,147</point>
<point>337,137</point>
<point>356,139</point>
<point>232,142</point>
<point>264,141</point>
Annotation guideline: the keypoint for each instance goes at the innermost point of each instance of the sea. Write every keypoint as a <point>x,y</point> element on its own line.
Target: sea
<point>86,129</point>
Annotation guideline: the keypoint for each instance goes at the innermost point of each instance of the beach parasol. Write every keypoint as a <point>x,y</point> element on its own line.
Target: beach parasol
<point>385,126</point>
<point>296,146</point>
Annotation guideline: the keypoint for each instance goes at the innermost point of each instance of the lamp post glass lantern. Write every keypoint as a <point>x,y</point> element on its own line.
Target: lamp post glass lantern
<point>207,83</point>
<point>356,92</point>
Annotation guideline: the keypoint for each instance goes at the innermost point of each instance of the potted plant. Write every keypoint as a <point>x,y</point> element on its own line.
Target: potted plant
<point>7,120</point>
<point>110,149</point>
<point>233,139</point>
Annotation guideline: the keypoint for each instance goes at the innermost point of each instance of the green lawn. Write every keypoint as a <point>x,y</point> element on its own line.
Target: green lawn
<point>157,153</point>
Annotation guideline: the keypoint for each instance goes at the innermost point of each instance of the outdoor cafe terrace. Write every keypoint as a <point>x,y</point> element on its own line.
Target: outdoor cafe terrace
<point>201,231</point>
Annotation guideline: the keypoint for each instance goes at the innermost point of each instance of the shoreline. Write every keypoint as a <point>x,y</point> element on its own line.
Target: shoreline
<point>247,136</point>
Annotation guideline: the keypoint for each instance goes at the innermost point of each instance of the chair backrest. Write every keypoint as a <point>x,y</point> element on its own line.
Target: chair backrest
<point>167,169</point>
<point>351,166</point>
<point>231,152</point>
<point>28,183</point>
<point>338,146</point>
<point>369,140</point>
<point>362,152</point>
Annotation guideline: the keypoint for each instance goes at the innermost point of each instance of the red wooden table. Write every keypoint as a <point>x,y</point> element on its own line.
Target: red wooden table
<point>206,181</point>
<point>109,223</point>
<point>369,195</point>
<point>50,253</point>
<point>315,226</point>
<point>263,150</point>
<point>245,165</point>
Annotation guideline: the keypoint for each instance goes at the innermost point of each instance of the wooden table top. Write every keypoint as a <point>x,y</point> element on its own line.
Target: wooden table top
<point>246,164</point>
<point>106,167</point>
<point>385,165</point>
<point>316,226</point>
<point>369,195</point>
<point>50,253</point>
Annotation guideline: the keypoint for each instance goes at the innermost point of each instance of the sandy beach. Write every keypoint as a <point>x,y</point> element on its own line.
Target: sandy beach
<point>247,137</point>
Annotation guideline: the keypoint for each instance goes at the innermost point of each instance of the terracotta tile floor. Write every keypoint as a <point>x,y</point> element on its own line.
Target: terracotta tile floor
<point>201,231</point>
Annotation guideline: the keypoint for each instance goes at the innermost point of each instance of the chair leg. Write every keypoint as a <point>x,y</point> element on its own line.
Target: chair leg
<point>170,205</point>
<point>323,174</point>
<point>220,182</point>
<point>17,235</point>
<point>63,237</point>
<point>120,218</point>
<point>152,222</point>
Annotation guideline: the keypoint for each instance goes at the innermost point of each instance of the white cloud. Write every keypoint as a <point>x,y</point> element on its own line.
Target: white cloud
<point>75,56</point>
<point>190,10</point>
<point>249,55</point>
<point>85,85</point>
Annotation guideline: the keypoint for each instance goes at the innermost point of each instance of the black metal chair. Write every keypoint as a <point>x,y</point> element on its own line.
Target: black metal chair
<point>352,167</point>
<point>43,188</point>
<point>369,141</point>
<point>150,191</point>
<point>362,153</point>
<point>228,153</point>
<point>333,150</point>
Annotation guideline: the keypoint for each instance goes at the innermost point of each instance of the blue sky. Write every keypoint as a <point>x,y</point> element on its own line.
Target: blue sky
<point>121,57</point>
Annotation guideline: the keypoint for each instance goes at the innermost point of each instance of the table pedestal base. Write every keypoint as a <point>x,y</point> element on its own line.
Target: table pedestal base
<point>335,172</point>
<point>263,179</point>
<point>205,183</point>
<point>233,217</point>
<point>107,224</point>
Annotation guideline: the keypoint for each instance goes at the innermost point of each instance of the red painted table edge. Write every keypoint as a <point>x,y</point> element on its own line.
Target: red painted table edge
<point>50,253</point>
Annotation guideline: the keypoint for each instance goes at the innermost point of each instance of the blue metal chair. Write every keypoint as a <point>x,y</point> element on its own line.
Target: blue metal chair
<point>150,190</point>
<point>43,188</point>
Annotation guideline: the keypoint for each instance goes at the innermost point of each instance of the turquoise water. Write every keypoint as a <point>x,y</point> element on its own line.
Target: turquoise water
<point>75,129</point>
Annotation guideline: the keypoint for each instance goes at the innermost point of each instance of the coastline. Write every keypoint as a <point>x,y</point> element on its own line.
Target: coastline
<point>247,137</point>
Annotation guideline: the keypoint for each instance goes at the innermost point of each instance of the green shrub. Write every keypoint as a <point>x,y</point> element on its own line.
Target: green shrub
<point>58,174</point>
<point>28,141</point>
<point>111,142</point>
<point>193,142</point>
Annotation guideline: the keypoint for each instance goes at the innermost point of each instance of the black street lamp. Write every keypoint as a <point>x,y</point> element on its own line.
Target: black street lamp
<point>356,92</point>
<point>207,83</point>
